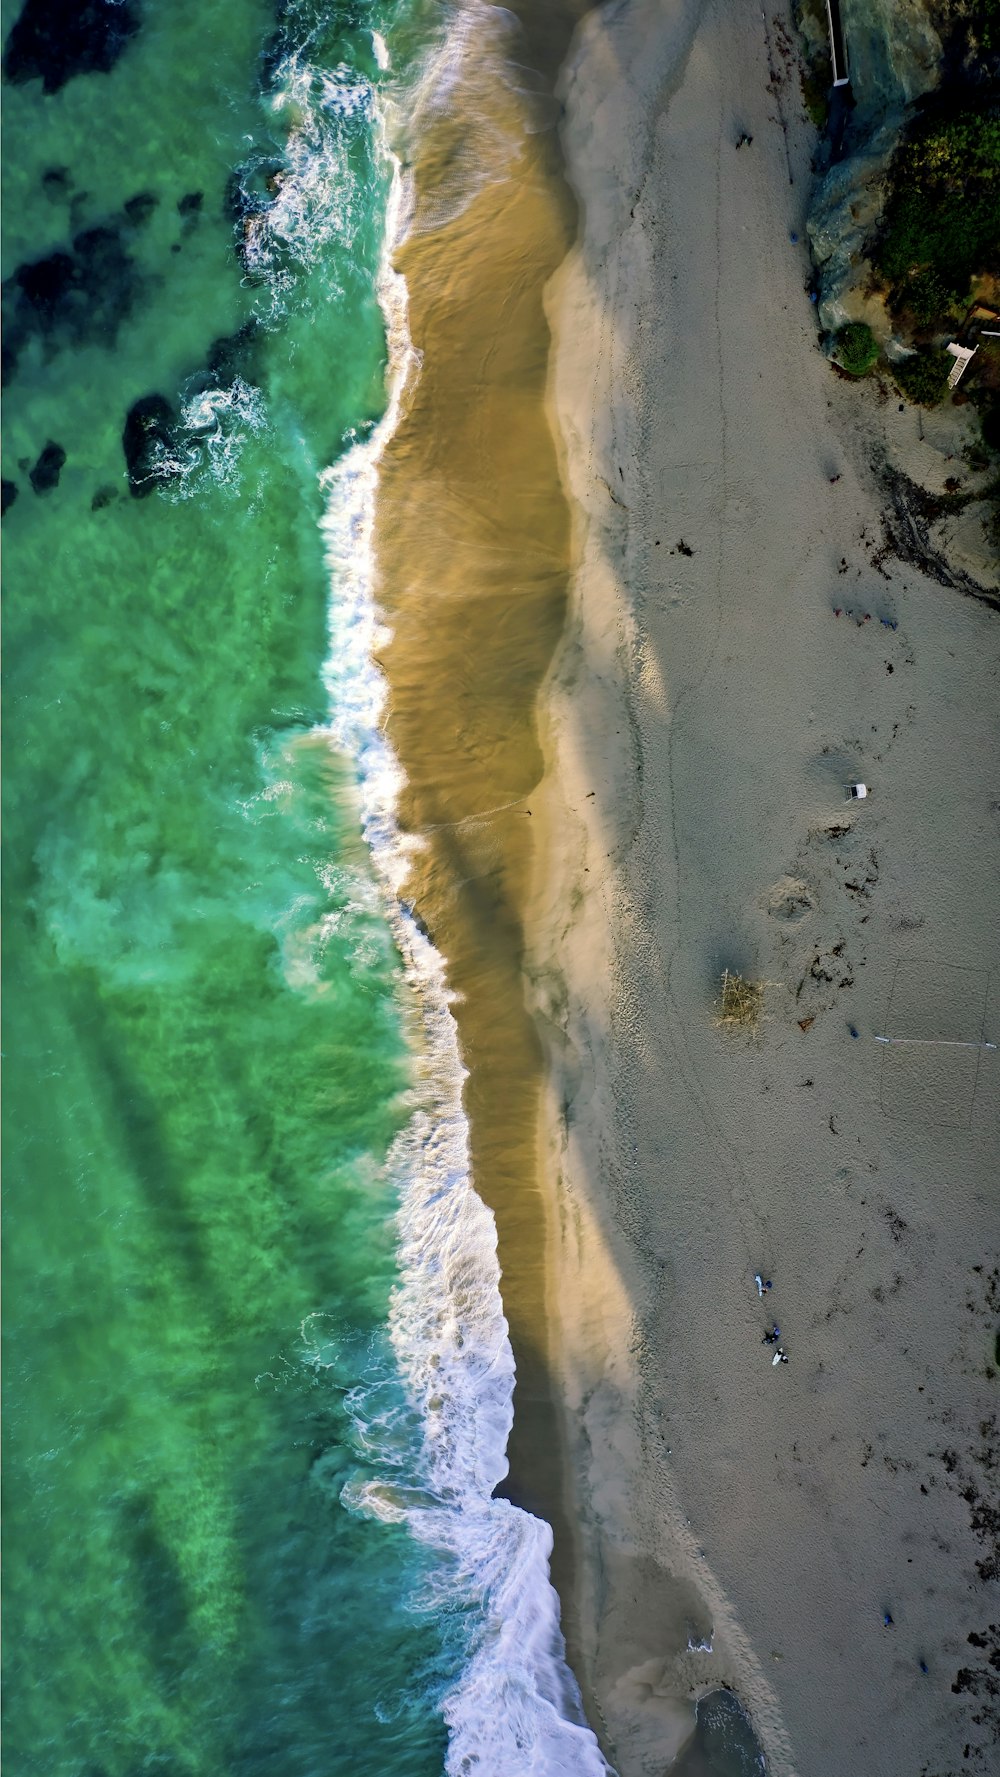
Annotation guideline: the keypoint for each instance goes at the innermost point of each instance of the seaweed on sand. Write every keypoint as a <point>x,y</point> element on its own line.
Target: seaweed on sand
<point>741,1002</point>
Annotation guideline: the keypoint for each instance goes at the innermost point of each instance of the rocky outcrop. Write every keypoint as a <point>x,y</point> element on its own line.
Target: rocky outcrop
<point>250,193</point>
<point>894,55</point>
<point>148,443</point>
<point>162,443</point>
<point>55,39</point>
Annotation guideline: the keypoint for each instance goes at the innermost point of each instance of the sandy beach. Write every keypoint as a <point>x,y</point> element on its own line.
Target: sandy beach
<point>706,709</point>
<point>627,502</point>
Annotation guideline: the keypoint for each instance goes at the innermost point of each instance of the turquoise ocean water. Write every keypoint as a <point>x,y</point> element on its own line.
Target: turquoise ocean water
<point>257,1377</point>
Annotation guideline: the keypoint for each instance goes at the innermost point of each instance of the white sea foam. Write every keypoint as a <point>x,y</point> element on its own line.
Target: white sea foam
<point>215,424</point>
<point>314,198</point>
<point>515,1709</point>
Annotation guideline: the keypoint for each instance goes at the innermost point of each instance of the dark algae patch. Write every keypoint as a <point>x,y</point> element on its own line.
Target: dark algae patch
<point>46,472</point>
<point>157,445</point>
<point>82,292</point>
<point>53,40</point>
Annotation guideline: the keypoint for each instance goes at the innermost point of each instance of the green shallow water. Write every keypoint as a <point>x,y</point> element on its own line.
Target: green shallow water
<point>217,1331</point>
<point>205,1064</point>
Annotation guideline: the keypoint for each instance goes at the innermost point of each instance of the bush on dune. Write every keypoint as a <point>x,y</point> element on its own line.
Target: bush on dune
<point>941,223</point>
<point>929,300</point>
<point>856,348</point>
<point>924,377</point>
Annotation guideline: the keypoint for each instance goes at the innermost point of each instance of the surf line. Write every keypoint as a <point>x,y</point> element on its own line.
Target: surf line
<point>514,1708</point>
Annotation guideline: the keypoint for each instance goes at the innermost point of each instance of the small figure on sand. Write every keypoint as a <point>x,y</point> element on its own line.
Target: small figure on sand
<point>780,1356</point>
<point>762,1287</point>
<point>743,140</point>
<point>773,1336</point>
<point>887,1622</point>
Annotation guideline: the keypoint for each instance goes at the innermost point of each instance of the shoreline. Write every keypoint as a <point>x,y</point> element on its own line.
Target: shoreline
<point>701,715</point>
<point>471,544</point>
<point>448,1324</point>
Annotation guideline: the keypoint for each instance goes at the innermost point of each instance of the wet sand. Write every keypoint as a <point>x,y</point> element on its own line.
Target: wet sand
<point>473,539</point>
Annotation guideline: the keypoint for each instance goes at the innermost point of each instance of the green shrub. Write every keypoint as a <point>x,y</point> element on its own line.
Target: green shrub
<point>927,299</point>
<point>990,423</point>
<point>984,23</point>
<point>942,215</point>
<point>856,348</point>
<point>816,103</point>
<point>816,83</point>
<point>924,377</point>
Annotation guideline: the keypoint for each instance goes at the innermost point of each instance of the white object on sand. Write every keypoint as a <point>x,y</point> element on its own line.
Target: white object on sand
<point>776,1359</point>
<point>856,792</point>
<point>759,1281</point>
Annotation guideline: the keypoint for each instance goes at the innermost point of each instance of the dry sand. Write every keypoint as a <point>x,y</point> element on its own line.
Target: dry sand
<point>704,712</point>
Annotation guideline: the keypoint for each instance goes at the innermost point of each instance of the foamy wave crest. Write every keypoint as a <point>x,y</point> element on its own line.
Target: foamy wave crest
<point>515,1709</point>
<point>208,443</point>
<point>313,198</point>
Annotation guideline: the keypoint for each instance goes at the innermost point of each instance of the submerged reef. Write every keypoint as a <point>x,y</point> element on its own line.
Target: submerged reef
<point>80,294</point>
<point>53,40</point>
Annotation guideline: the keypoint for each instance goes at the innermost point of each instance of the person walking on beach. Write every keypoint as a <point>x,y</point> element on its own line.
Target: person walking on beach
<point>780,1356</point>
<point>773,1336</point>
<point>762,1287</point>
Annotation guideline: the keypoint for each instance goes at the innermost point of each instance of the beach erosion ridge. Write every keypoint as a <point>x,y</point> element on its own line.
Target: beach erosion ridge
<point>641,640</point>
